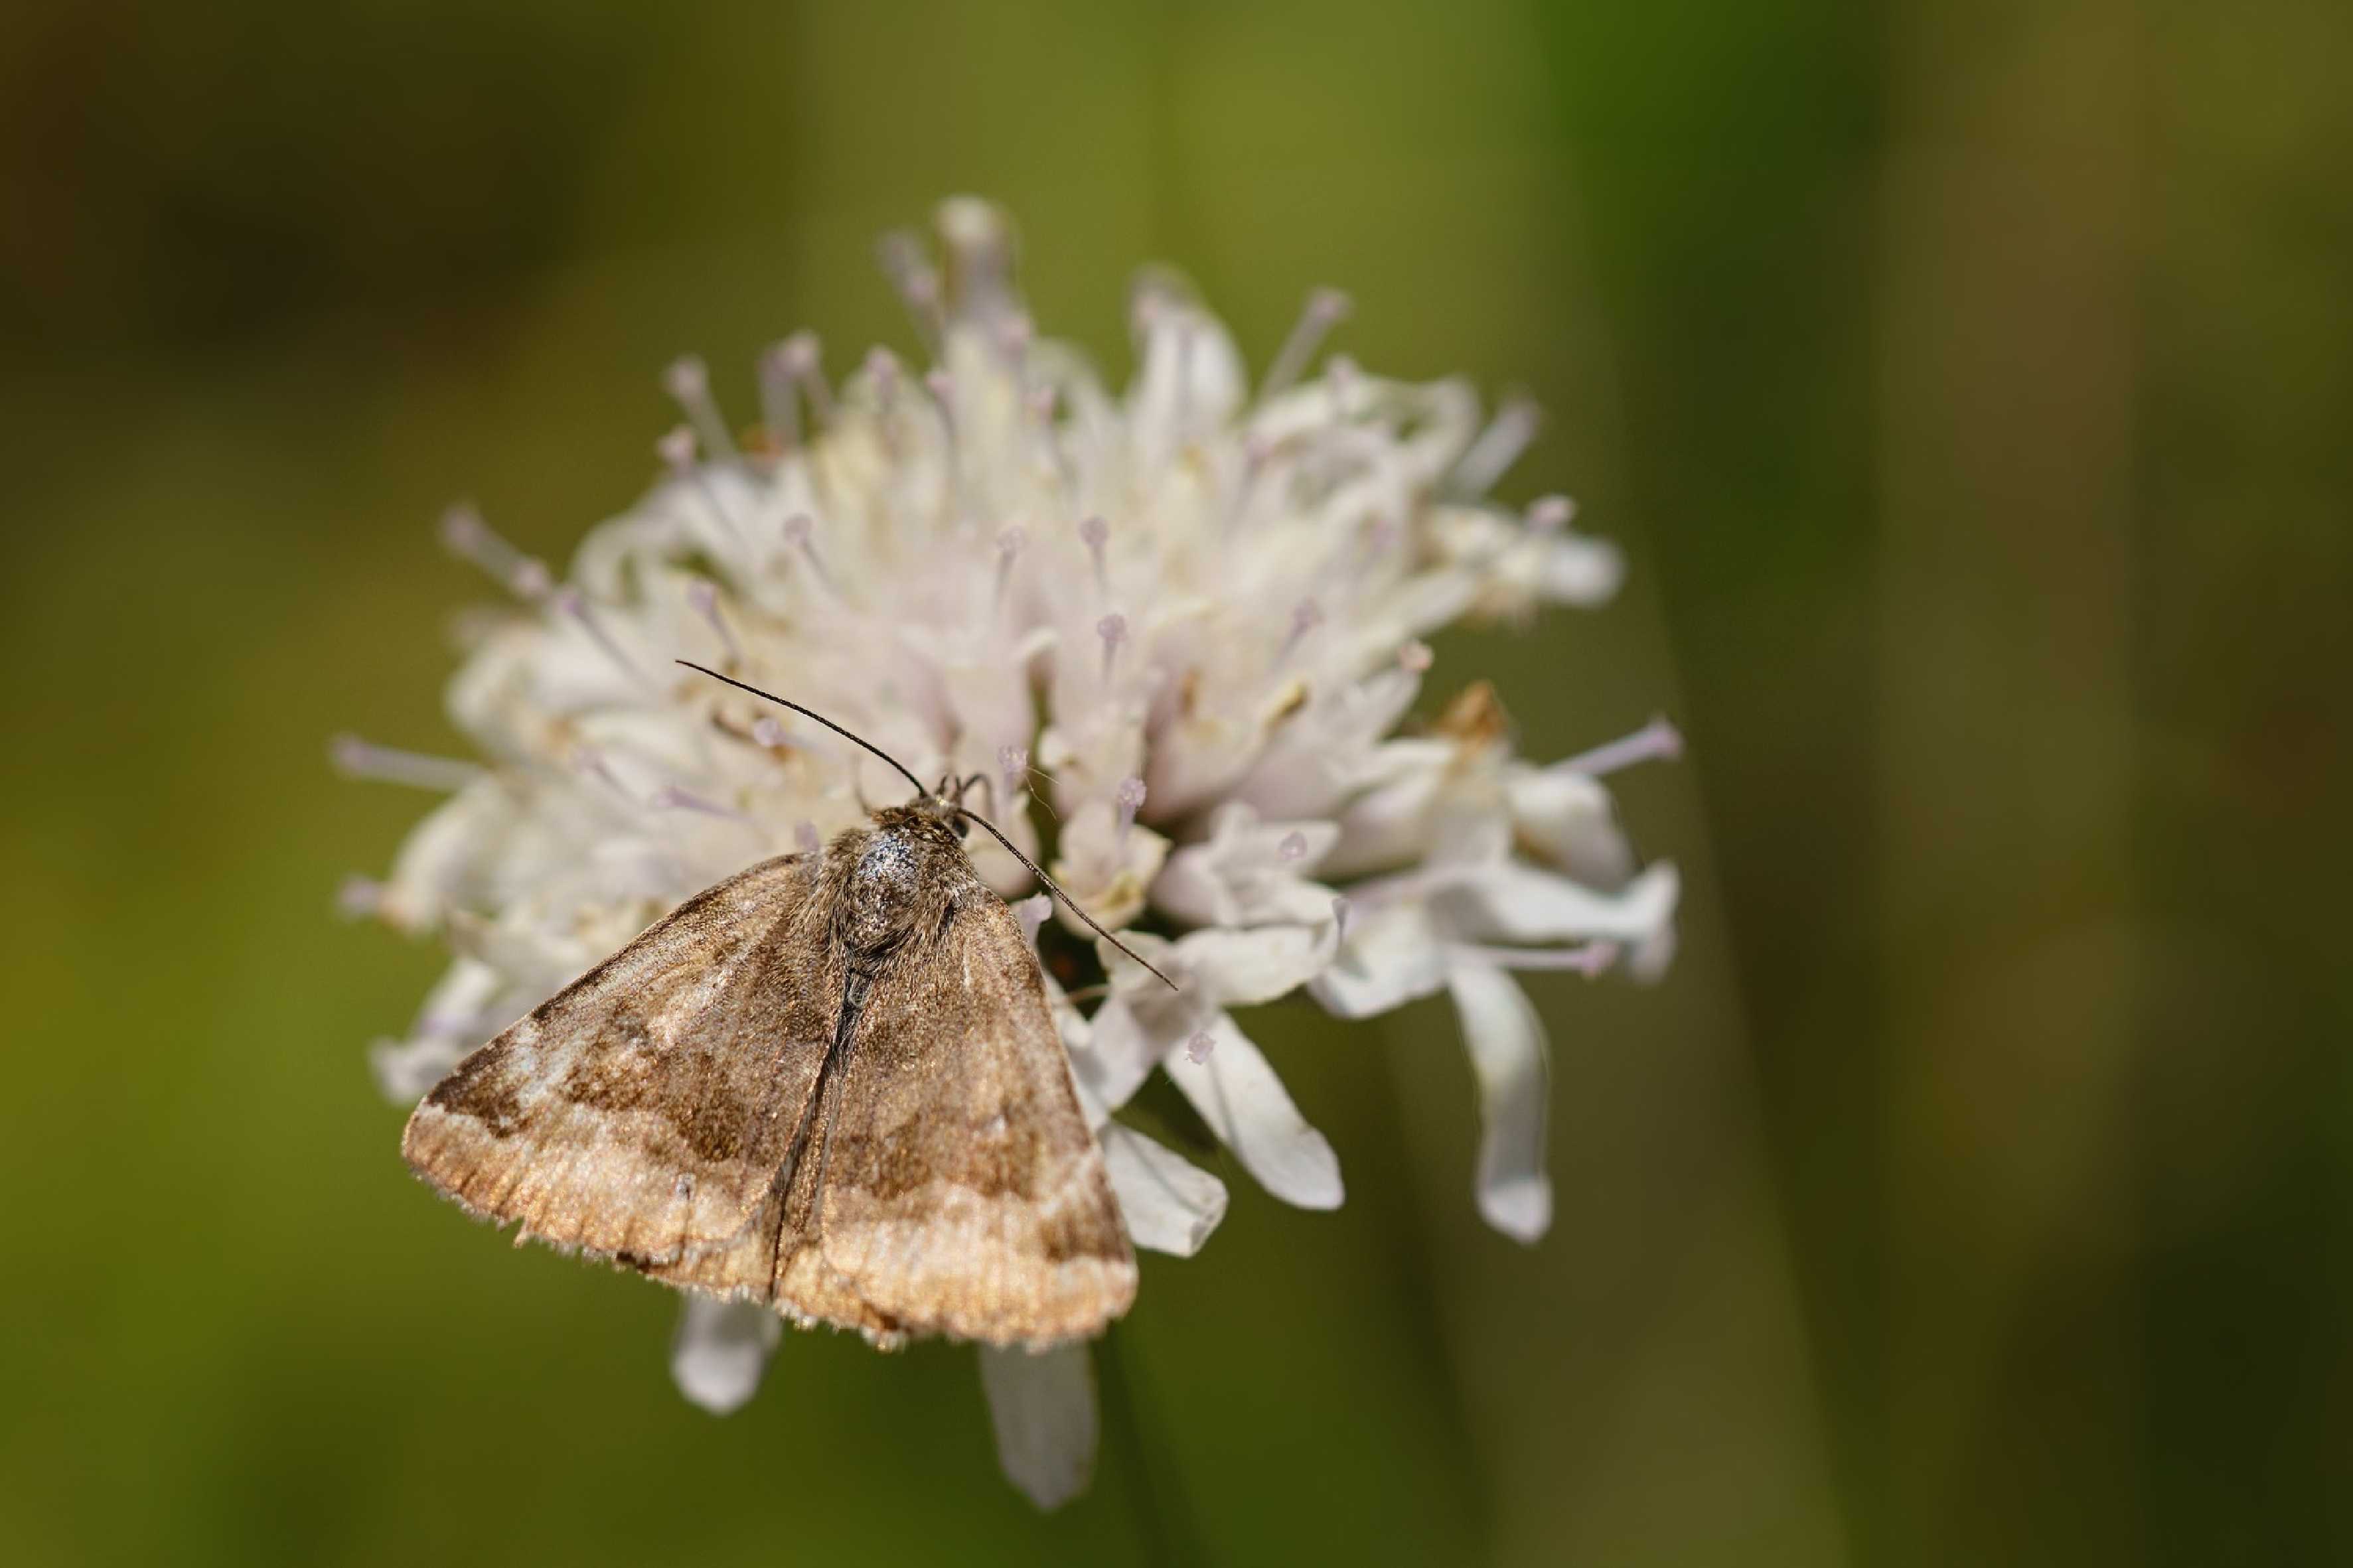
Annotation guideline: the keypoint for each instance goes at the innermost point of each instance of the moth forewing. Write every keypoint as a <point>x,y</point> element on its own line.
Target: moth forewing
<point>833,1086</point>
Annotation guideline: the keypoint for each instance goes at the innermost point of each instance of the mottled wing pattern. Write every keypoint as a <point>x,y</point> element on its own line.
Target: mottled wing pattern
<point>961,1191</point>
<point>645,1110</point>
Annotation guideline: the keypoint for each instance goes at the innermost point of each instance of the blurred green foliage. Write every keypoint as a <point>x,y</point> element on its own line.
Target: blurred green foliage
<point>1971,385</point>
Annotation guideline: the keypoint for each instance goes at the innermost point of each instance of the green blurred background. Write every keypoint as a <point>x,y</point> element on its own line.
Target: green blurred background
<point>1971,385</point>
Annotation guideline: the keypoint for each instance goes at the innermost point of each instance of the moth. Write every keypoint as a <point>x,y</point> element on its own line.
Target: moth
<point>831,1084</point>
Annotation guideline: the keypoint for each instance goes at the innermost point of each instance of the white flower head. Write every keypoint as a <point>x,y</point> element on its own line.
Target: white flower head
<point>1174,631</point>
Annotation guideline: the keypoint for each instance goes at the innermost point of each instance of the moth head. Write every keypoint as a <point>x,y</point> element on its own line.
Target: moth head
<point>944,804</point>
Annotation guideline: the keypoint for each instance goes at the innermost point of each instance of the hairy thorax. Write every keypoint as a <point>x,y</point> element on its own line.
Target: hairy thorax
<point>897,879</point>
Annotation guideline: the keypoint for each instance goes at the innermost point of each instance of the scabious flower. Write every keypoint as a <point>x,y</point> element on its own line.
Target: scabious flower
<point>1176,629</point>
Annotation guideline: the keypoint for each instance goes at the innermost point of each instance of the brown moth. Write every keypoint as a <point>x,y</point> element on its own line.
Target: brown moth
<point>831,1083</point>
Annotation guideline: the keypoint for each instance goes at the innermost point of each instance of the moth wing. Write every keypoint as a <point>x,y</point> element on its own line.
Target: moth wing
<point>962,1192</point>
<point>642,1112</point>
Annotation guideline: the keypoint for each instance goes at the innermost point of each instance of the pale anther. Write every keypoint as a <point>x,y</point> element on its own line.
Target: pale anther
<point>676,450</point>
<point>1550,514</point>
<point>1112,630</point>
<point>1129,799</point>
<point>358,897</point>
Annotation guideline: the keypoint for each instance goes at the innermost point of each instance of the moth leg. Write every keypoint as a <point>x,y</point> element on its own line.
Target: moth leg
<point>988,789</point>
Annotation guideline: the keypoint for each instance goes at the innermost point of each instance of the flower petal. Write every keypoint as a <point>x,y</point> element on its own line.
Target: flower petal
<point>1237,1093</point>
<point>1510,902</point>
<point>1170,1204</point>
<point>1571,568</point>
<point>1106,869</point>
<point>1116,1056</point>
<point>1390,957</point>
<point>1566,819</point>
<point>1242,968</point>
<point>1506,1043</point>
<point>1043,1405</point>
<point>721,1350</point>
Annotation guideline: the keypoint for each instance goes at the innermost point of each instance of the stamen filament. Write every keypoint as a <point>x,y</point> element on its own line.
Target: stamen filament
<point>359,759</point>
<point>688,381</point>
<point>1498,446</point>
<point>1587,959</point>
<point>704,597</point>
<point>1657,738</point>
<point>1325,308</point>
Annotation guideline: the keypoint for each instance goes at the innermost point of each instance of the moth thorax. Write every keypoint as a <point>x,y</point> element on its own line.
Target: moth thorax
<point>885,893</point>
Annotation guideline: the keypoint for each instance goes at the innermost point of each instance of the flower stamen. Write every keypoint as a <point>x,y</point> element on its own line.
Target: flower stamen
<point>1096,534</point>
<point>1589,959</point>
<point>677,450</point>
<point>357,759</point>
<point>1112,630</point>
<point>704,597</point>
<point>676,797</point>
<point>1325,308</point>
<point>801,532</point>
<point>917,284</point>
<point>688,381</point>
<point>1658,739</point>
<point>575,604</point>
<point>359,897</point>
<point>1013,770</point>
<point>802,359</point>
<point>1130,800</point>
<point>1011,542</point>
<point>1499,445</point>
<point>467,537</point>
<point>780,406</point>
<point>1550,514</point>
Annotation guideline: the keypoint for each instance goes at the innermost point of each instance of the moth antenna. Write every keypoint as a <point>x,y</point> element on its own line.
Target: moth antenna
<point>845,734</point>
<point>1035,869</point>
<point>1056,887</point>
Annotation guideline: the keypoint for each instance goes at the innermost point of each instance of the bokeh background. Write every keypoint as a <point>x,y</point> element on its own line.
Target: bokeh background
<point>1971,385</point>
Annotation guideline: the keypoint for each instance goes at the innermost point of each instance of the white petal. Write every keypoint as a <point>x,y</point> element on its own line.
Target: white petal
<point>1103,869</point>
<point>1194,887</point>
<point>1249,872</point>
<point>1391,823</point>
<point>1513,902</point>
<point>1239,969</point>
<point>1043,1405</point>
<point>406,1069</point>
<point>1170,1204</point>
<point>1239,1096</point>
<point>1507,1043</point>
<point>721,1350</point>
<point>444,860</point>
<point>1390,957</point>
<point>1650,959</point>
<point>1568,819</point>
<point>1572,570</point>
<point>1117,1055</point>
